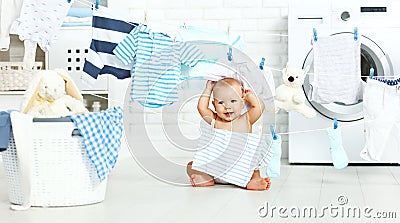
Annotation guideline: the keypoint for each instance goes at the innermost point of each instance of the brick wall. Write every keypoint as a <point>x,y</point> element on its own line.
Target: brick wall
<point>254,20</point>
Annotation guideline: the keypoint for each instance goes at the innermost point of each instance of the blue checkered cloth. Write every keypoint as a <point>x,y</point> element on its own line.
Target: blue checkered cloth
<point>101,132</point>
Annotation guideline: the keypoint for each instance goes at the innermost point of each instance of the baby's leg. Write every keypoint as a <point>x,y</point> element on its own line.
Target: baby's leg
<point>197,178</point>
<point>258,183</point>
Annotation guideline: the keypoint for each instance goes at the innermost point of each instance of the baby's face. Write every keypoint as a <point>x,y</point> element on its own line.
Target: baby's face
<point>228,102</point>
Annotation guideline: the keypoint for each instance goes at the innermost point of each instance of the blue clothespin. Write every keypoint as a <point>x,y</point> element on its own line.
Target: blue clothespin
<point>355,33</point>
<point>97,4</point>
<point>335,123</point>
<point>274,136</point>
<point>315,34</point>
<point>230,54</point>
<point>69,1</point>
<point>262,63</point>
<point>371,72</point>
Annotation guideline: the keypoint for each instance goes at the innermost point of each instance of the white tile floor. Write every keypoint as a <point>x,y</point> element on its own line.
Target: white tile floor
<point>134,196</point>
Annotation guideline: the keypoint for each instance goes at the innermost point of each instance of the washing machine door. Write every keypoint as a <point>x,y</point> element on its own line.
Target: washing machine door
<point>372,56</point>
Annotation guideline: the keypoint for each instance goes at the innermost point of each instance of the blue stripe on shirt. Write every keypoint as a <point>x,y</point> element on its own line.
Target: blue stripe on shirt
<point>112,24</point>
<point>117,72</point>
<point>102,46</point>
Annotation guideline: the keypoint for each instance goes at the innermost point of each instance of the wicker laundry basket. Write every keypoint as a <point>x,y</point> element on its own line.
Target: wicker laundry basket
<point>62,173</point>
<point>14,78</point>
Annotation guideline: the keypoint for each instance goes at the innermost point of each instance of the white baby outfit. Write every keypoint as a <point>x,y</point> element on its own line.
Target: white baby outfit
<point>382,119</point>
<point>38,23</point>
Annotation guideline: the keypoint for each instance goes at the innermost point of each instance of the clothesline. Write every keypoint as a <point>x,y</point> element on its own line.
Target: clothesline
<point>194,123</point>
<point>91,5</point>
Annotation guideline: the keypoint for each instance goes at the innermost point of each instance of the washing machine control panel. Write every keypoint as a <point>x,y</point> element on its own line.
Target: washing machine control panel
<point>373,9</point>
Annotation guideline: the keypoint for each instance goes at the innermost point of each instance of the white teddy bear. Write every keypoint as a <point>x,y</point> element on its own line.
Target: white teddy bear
<point>53,95</point>
<point>290,95</point>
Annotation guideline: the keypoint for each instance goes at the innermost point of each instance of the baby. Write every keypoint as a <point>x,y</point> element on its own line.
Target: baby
<point>229,101</point>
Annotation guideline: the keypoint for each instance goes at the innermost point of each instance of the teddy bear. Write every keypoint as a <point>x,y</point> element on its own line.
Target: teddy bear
<point>53,94</point>
<point>290,96</point>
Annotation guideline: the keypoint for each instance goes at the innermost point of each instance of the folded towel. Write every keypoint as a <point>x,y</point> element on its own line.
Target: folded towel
<point>337,70</point>
<point>77,21</point>
<point>80,12</point>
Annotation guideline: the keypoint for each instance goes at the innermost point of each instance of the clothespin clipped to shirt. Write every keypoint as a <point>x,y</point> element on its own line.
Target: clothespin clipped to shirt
<point>371,72</point>
<point>355,33</point>
<point>262,63</point>
<point>230,56</point>
<point>145,17</point>
<point>315,34</point>
<point>335,123</point>
<point>274,136</point>
<point>69,1</point>
<point>96,5</point>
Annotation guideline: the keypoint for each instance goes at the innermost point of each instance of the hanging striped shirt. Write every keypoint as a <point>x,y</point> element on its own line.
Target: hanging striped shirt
<point>107,31</point>
<point>231,156</point>
<point>158,60</point>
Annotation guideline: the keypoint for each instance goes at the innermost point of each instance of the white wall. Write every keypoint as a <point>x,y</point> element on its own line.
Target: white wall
<point>254,20</point>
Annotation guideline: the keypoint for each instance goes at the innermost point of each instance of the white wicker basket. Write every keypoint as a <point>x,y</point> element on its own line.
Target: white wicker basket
<point>62,173</point>
<point>14,78</point>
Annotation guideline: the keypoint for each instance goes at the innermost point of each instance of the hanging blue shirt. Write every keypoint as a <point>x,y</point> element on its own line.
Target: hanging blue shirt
<point>157,69</point>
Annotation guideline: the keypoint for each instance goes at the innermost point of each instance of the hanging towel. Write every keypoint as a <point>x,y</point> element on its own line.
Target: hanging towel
<point>108,29</point>
<point>101,132</point>
<point>231,156</point>
<point>9,12</point>
<point>338,154</point>
<point>157,71</point>
<point>274,166</point>
<point>5,129</point>
<point>209,39</point>
<point>337,70</point>
<point>381,104</point>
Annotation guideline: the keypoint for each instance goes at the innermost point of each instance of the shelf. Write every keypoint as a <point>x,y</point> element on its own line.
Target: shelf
<point>23,92</point>
<point>12,92</point>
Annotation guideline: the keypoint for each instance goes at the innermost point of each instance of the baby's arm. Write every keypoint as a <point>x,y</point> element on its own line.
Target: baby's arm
<point>202,106</point>
<point>256,106</point>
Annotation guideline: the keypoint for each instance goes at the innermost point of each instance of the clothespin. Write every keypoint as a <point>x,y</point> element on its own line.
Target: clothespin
<point>371,73</point>
<point>230,56</point>
<point>69,1</point>
<point>145,17</point>
<point>355,33</point>
<point>96,6</point>
<point>262,63</point>
<point>335,123</point>
<point>315,34</point>
<point>274,136</point>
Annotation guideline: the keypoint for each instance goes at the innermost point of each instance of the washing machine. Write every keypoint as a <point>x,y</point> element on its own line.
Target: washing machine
<point>379,30</point>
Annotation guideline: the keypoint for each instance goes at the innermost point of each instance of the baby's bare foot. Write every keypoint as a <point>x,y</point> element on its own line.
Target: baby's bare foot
<point>259,184</point>
<point>201,180</point>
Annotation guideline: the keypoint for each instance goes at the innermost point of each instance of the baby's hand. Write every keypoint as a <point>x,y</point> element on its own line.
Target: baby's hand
<point>246,94</point>
<point>210,84</point>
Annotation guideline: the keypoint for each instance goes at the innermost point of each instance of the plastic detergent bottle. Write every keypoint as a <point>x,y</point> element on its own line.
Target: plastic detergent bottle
<point>96,106</point>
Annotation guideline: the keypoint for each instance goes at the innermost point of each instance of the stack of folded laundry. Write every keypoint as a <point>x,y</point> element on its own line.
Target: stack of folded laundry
<point>78,17</point>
